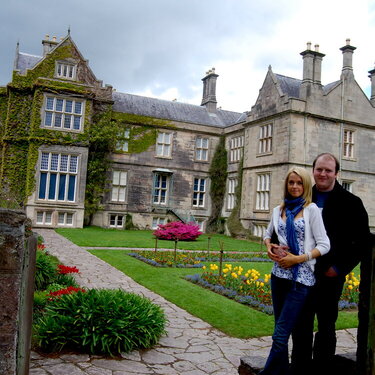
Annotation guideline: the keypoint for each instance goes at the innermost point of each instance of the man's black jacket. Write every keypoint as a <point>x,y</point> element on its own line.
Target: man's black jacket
<point>346,222</point>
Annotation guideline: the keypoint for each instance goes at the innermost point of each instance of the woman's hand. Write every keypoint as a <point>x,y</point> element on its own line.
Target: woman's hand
<point>289,260</point>
<point>275,252</point>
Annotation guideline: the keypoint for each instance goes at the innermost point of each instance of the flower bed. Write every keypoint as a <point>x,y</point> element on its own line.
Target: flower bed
<point>191,259</point>
<point>251,289</point>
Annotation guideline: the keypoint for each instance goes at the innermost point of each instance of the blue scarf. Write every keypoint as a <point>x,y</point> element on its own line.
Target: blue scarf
<point>292,208</point>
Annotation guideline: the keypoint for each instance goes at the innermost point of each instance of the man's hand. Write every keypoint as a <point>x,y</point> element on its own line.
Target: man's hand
<point>331,272</point>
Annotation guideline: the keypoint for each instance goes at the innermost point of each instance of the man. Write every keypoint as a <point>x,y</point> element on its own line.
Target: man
<point>346,222</point>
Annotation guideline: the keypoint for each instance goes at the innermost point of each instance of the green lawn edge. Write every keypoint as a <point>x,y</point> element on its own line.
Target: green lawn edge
<point>228,316</point>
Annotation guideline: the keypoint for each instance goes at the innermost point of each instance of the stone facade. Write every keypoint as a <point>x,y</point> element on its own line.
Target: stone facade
<point>167,178</point>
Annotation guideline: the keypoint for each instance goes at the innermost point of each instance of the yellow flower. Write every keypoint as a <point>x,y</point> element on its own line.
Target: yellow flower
<point>350,287</point>
<point>225,270</point>
<point>262,284</point>
<point>204,267</point>
<point>234,275</point>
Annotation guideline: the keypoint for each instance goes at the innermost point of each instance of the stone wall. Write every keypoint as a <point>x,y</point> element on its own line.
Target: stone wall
<point>17,269</point>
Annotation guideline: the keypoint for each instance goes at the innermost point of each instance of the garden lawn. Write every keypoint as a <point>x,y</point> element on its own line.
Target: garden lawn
<point>102,237</point>
<point>230,317</point>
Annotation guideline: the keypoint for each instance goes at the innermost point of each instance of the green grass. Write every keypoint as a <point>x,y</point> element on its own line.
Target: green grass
<point>230,317</point>
<point>102,237</point>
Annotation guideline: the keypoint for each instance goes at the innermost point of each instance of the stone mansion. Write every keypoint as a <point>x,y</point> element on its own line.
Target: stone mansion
<point>58,121</point>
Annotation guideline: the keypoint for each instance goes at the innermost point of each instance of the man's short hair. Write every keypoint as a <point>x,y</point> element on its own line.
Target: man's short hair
<point>337,167</point>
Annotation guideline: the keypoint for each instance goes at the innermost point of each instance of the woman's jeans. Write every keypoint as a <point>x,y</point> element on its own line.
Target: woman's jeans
<point>288,298</point>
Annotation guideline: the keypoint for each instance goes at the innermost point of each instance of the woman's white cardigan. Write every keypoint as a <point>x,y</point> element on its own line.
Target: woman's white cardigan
<point>315,232</point>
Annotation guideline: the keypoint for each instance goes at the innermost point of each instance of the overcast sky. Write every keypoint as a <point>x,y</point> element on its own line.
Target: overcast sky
<point>162,48</point>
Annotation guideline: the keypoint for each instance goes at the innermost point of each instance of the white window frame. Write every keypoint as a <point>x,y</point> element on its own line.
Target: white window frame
<point>259,230</point>
<point>43,217</point>
<point>62,113</point>
<point>201,149</point>
<point>164,145</point>
<point>58,173</point>
<point>263,190</point>
<point>116,220</point>
<point>156,221</point>
<point>201,223</point>
<point>123,143</point>
<point>236,148</point>
<point>160,192</point>
<point>348,143</point>
<point>199,191</point>
<point>231,196</point>
<point>68,218</point>
<point>347,185</point>
<point>119,186</point>
<point>265,139</point>
<point>66,70</point>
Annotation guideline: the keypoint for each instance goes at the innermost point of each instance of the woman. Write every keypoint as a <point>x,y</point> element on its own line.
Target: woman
<point>299,228</point>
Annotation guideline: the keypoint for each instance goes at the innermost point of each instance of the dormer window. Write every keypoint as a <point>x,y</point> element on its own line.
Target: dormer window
<point>66,71</point>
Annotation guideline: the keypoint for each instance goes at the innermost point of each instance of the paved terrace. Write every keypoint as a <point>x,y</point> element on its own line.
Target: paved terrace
<point>191,346</point>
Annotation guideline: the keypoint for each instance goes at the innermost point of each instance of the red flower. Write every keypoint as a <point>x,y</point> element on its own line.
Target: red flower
<point>68,290</point>
<point>66,269</point>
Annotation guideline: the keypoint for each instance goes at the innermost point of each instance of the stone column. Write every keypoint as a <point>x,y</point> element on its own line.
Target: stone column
<point>17,269</point>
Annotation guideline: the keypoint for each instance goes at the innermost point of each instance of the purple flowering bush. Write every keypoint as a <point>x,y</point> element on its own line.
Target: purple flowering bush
<point>177,231</point>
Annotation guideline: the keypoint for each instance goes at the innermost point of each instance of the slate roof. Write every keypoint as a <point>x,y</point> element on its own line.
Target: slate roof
<point>25,61</point>
<point>289,86</point>
<point>175,111</point>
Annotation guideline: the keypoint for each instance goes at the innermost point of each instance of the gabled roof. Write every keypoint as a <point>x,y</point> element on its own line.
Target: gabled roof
<point>289,85</point>
<point>26,61</point>
<point>174,111</point>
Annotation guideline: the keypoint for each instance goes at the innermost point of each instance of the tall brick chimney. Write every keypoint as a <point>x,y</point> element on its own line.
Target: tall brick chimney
<point>312,70</point>
<point>372,78</point>
<point>347,54</point>
<point>49,44</point>
<point>209,90</point>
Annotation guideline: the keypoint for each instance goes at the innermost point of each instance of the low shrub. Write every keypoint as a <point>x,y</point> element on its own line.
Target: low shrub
<point>45,272</point>
<point>177,231</point>
<point>101,322</point>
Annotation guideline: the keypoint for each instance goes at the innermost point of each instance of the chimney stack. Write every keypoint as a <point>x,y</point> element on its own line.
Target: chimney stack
<point>312,69</point>
<point>209,90</point>
<point>48,45</point>
<point>372,78</point>
<point>347,53</point>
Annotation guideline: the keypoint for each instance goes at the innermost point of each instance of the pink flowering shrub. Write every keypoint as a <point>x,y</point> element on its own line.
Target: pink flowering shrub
<point>177,231</point>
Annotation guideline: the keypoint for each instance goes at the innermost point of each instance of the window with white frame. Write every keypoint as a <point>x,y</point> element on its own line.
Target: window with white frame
<point>44,217</point>
<point>65,218</point>
<point>58,177</point>
<point>119,181</point>
<point>265,139</point>
<point>231,201</point>
<point>199,192</point>
<point>201,149</point>
<point>348,142</point>
<point>63,114</point>
<point>236,148</point>
<point>347,185</point>
<point>64,70</point>
<point>116,221</point>
<point>259,230</point>
<point>161,187</point>
<point>263,192</point>
<point>123,141</point>
<point>200,222</point>
<point>156,221</point>
<point>163,144</point>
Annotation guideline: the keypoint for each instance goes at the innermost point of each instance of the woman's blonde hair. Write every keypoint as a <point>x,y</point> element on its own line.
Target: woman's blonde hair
<point>306,182</point>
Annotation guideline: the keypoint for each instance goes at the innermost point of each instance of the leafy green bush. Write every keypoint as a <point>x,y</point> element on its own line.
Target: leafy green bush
<point>45,270</point>
<point>100,321</point>
<point>40,302</point>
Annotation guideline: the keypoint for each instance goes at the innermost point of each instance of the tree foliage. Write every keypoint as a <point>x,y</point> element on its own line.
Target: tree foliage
<point>218,175</point>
